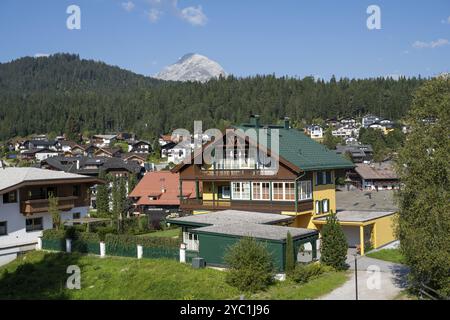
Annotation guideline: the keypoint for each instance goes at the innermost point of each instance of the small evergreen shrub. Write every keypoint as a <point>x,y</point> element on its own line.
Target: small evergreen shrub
<point>306,272</point>
<point>250,265</point>
<point>334,244</point>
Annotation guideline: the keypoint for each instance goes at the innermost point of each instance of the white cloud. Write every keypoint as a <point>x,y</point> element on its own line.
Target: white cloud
<point>128,6</point>
<point>40,55</point>
<point>154,15</point>
<point>432,44</point>
<point>194,15</point>
<point>446,21</point>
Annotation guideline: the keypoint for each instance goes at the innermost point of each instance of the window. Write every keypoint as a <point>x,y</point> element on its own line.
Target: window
<point>224,192</point>
<point>323,177</point>
<point>277,190</point>
<point>325,205</point>
<point>304,190</point>
<point>76,191</point>
<point>34,224</point>
<point>3,228</point>
<point>322,206</point>
<point>284,191</point>
<point>76,215</point>
<point>261,190</point>
<point>240,190</point>
<point>10,197</point>
<point>317,206</point>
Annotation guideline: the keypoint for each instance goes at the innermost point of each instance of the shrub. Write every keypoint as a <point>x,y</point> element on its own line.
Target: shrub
<point>306,272</point>
<point>251,266</point>
<point>52,234</point>
<point>103,231</point>
<point>334,244</point>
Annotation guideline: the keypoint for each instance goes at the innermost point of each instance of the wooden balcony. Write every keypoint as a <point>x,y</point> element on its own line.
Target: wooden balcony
<point>42,205</point>
<point>258,206</point>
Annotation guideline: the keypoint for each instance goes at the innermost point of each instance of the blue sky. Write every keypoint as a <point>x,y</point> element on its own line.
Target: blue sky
<point>247,37</point>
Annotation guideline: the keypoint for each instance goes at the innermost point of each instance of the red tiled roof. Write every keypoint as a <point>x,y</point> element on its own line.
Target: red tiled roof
<point>163,186</point>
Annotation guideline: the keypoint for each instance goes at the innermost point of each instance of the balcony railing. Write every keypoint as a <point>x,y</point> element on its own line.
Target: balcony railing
<point>263,206</point>
<point>42,205</point>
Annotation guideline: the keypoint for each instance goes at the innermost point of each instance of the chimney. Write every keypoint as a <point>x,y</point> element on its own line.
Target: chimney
<point>286,123</point>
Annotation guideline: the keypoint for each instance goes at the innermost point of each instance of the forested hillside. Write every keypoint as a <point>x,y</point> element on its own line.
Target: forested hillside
<point>63,93</point>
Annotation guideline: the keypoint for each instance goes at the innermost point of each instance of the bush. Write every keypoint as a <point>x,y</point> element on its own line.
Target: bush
<point>306,272</point>
<point>103,231</point>
<point>52,234</point>
<point>251,266</point>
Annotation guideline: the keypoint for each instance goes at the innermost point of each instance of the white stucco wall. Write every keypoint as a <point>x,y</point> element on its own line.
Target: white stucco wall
<point>17,235</point>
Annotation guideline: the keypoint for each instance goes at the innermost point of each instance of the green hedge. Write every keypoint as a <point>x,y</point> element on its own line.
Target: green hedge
<point>156,242</point>
<point>86,242</point>
<point>153,247</point>
<point>157,253</point>
<point>121,245</point>
<point>83,242</point>
<point>52,234</point>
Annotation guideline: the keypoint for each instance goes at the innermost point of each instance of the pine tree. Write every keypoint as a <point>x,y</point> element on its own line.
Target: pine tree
<point>54,211</point>
<point>334,244</point>
<point>102,199</point>
<point>290,254</point>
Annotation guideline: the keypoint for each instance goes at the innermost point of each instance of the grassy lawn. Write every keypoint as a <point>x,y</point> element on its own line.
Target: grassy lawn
<point>170,233</point>
<point>42,275</point>
<point>392,255</point>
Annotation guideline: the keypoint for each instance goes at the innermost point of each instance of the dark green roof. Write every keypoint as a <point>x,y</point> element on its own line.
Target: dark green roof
<point>302,151</point>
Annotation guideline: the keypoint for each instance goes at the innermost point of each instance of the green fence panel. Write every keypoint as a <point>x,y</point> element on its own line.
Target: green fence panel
<point>86,247</point>
<point>157,253</point>
<point>54,244</point>
<point>121,251</point>
<point>190,255</point>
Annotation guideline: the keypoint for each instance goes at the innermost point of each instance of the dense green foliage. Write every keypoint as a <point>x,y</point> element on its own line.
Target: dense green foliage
<point>62,93</point>
<point>290,254</point>
<point>250,265</point>
<point>149,242</point>
<point>303,273</point>
<point>334,244</point>
<point>102,197</point>
<point>424,168</point>
<point>383,145</point>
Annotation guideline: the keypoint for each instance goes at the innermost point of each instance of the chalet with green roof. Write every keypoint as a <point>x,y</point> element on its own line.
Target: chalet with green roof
<point>302,186</point>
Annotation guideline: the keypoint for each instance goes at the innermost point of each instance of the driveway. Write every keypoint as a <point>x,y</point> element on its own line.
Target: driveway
<point>377,280</point>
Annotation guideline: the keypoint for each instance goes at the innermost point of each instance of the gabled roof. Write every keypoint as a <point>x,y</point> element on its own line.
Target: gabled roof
<point>302,151</point>
<point>10,177</point>
<point>381,171</point>
<point>165,186</point>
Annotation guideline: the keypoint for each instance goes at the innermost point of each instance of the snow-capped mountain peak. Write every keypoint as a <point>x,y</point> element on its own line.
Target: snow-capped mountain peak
<point>192,67</point>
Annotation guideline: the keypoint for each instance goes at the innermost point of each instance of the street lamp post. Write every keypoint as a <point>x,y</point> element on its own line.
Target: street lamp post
<point>356,276</point>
